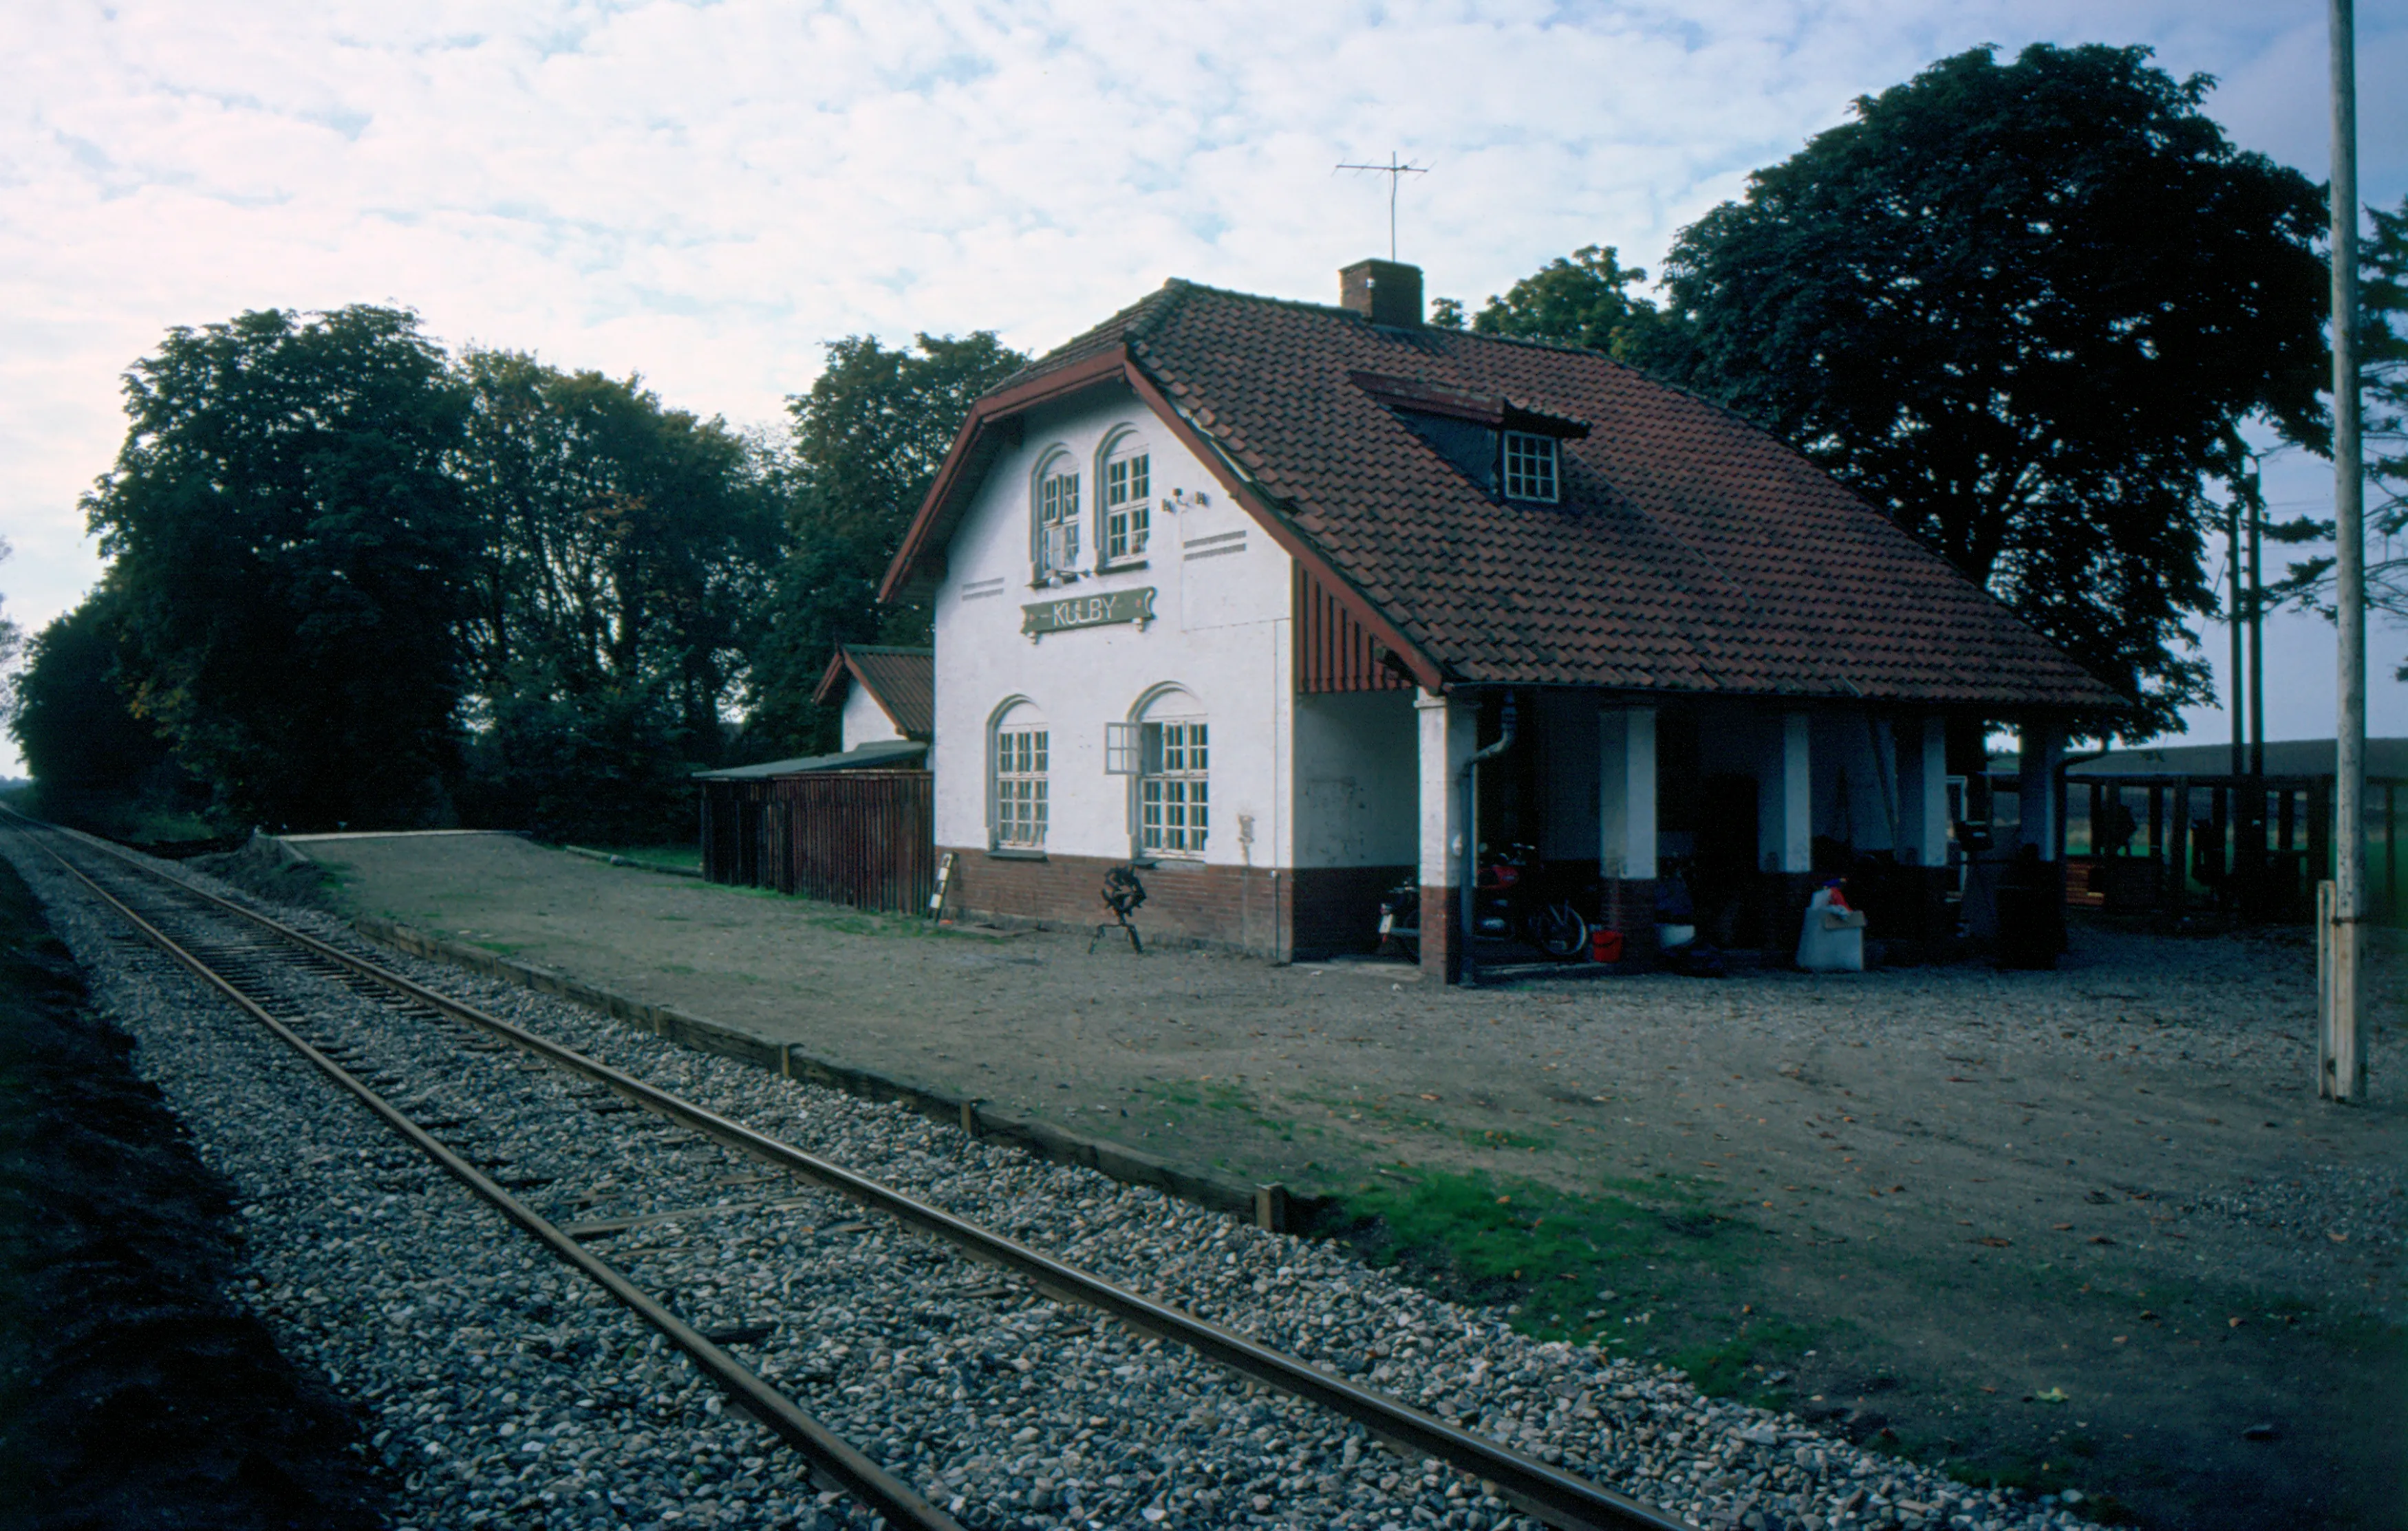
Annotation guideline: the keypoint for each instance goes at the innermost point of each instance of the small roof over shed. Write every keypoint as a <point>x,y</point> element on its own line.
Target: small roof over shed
<point>891,753</point>
<point>902,681</point>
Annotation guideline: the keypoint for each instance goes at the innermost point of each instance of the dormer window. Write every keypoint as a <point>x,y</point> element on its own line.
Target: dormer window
<point>1129,490</point>
<point>1055,523</point>
<point>1529,467</point>
<point>1508,449</point>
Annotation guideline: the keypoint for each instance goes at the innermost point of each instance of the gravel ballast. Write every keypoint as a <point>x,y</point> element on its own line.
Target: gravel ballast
<point>508,1390</point>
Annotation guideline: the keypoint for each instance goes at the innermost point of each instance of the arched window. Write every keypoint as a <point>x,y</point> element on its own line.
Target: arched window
<point>1017,800</point>
<point>1125,471</point>
<point>1054,518</point>
<point>1174,777</point>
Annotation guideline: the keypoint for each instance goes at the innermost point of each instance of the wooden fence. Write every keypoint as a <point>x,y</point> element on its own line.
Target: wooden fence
<point>2252,846</point>
<point>865,838</point>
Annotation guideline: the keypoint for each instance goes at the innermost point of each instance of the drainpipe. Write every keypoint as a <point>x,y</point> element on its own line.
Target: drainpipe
<point>1470,777</point>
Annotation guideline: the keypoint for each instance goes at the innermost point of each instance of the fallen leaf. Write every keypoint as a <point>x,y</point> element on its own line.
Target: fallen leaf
<point>2054,1396</point>
<point>1995,1242</point>
<point>2337,1237</point>
<point>1958,1078</point>
<point>2232,1322</point>
<point>2061,1228</point>
<point>1430,1097</point>
<point>2100,1239</point>
<point>2120,1339</point>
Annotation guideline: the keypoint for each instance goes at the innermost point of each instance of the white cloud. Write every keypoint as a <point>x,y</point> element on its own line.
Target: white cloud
<point>706,192</point>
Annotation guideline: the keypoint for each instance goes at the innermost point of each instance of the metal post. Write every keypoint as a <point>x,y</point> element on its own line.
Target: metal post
<point>2391,849</point>
<point>2343,1078</point>
<point>2178,846</point>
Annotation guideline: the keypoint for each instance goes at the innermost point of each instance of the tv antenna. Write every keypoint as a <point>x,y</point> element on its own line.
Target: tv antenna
<point>1395,170</point>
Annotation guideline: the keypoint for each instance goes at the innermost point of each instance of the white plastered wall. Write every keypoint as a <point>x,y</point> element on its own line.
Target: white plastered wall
<point>864,721</point>
<point>1221,633</point>
<point>1356,782</point>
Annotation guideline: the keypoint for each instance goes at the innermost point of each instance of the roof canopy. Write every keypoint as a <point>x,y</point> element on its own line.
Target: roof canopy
<point>902,681</point>
<point>894,753</point>
<point>1690,551</point>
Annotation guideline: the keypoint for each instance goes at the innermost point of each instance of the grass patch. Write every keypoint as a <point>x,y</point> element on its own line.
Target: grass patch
<point>1382,1114</point>
<point>311,884</point>
<point>1643,1268</point>
<point>1224,1098</point>
<point>1751,1364</point>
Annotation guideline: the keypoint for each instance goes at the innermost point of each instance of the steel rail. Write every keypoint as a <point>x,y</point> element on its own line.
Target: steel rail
<point>827,1452</point>
<point>1560,1499</point>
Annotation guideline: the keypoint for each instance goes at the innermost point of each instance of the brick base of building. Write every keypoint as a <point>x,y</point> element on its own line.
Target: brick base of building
<point>1442,955</point>
<point>1227,908</point>
<point>1628,904</point>
<point>1335,910</point>
<point>1285,914</point>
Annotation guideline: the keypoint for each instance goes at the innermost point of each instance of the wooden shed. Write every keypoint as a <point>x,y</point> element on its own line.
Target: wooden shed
<point>855,828</point>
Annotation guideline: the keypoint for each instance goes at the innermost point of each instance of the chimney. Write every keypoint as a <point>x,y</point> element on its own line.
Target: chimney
<point>1383,292</point>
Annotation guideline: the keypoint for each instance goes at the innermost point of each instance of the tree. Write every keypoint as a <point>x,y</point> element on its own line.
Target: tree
<point>1581,301</point>
<point>80,737</point>
<point>288,552</point>
<point>623,550</point>
<point>13,639</point>
<point>869,439</point>
<point>2382,401</point>
<point>2023,309</point>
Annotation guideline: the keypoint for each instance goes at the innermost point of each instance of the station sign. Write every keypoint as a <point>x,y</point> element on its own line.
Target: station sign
<point>1099,611</point>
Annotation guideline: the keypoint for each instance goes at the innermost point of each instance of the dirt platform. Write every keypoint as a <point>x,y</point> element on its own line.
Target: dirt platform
<point>2085,1229</point>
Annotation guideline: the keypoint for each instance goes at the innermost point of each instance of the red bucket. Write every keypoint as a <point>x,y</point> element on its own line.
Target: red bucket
<point>1605,946</point>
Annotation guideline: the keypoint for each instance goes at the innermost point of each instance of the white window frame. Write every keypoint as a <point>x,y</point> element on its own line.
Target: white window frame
<point>1174,789</point>
<point>1019,761</point>
<point>1054,520</point>
<point>1122,749</point>
<point>1124,501</point>
<point>1531,468</point>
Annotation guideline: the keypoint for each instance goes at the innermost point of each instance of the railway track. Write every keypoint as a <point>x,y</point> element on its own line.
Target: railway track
<point>270,969</point>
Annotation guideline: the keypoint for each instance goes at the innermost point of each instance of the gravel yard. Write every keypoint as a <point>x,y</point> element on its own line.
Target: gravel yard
<point>1925,1202</point>
<point>502,1392</point>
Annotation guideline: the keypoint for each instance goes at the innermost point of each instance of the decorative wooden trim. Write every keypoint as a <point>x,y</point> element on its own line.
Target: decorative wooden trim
<point>988,414</point>
<point>1296,544</point>
<point>998,412</point>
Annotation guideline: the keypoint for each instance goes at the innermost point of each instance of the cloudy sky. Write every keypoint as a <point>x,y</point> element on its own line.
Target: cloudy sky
<point>706,193</point>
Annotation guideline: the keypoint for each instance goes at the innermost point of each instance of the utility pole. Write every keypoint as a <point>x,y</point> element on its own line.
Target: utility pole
<point>2254,507</point>
<point>2238,691</point>
<point>2340,1065</point>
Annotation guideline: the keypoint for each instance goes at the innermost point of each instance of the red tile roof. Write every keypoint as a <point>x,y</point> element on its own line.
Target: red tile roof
<point>902,681</point>
<point>1690,551</point>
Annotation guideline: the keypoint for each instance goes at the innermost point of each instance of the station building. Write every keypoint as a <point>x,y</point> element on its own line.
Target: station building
<point>1236,589</point>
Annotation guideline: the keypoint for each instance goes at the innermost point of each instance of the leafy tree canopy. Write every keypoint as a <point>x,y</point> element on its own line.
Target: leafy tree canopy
<point>2382,403</point>
<point>72,717</point>
<point>869,439</point>
<point>624,549</point>
<point>1581,301</point>
<point>13,639</point>
<point>288,552</point>
<point>2023,307</point>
